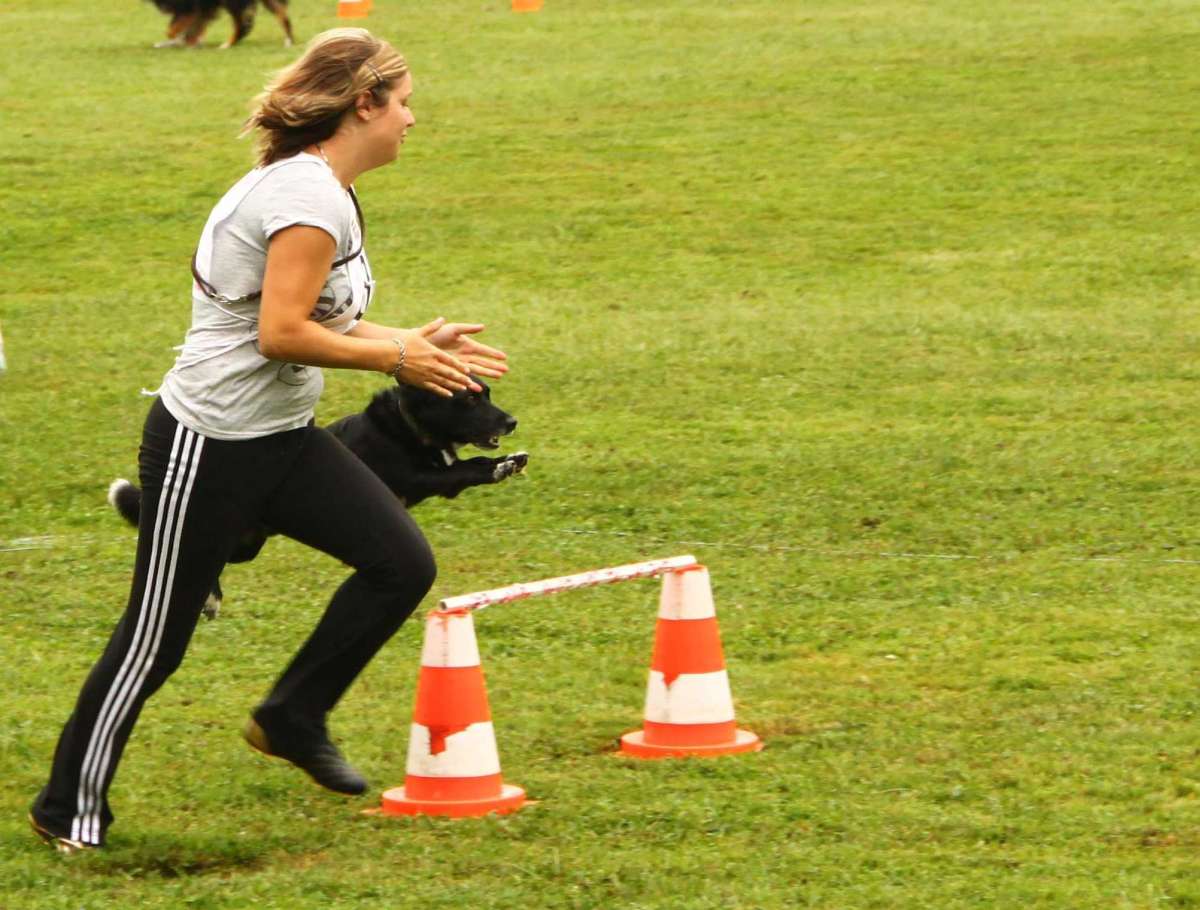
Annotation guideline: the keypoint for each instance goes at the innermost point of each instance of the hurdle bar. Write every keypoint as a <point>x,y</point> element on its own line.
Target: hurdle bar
<point>465,603</point>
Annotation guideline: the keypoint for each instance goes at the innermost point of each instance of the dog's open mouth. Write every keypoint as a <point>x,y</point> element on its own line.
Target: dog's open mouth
<point>492,442</point>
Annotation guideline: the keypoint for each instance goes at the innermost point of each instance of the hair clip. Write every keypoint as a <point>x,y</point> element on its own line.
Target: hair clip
<point>375,73</point>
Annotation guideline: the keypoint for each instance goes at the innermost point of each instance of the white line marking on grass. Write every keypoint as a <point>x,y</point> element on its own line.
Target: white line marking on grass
<point>44,542</point>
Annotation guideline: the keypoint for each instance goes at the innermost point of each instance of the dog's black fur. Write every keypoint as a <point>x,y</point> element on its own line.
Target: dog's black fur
<point>410,438</point>
<point>190,19</point>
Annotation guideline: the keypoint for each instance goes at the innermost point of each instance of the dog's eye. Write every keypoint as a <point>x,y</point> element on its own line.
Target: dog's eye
<point>471,400</point>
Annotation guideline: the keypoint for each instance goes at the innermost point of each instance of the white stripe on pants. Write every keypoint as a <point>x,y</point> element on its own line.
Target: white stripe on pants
<point>126,686</point>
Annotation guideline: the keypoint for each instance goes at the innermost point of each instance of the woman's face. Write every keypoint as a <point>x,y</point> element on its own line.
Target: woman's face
<point>391,121</point>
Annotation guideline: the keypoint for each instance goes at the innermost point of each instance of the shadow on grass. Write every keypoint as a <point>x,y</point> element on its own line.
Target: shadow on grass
<point>158,855</point>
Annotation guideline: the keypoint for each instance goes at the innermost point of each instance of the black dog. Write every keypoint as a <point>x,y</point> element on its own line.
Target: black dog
<point>410,438</point>
<point>190,18</point>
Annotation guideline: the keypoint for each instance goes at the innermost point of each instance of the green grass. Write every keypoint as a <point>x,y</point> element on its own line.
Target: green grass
<point>883,309</point>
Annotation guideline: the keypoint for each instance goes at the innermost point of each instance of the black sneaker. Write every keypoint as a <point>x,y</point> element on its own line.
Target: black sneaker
<point>322,761</point>
<point>64,845</point>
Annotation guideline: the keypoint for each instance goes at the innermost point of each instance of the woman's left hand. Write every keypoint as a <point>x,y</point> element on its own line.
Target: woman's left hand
<point>454,338</point>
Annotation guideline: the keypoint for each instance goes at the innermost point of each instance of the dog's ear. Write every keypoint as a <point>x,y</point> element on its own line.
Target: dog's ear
<point>385,406</point>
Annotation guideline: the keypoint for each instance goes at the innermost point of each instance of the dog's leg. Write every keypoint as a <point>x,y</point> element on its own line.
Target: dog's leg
<point>179,24</point>
<point>212,603</point>
<point>279,9</point>
<point>175,30</point>
<point>197,27</point>
<point>243,22</point>
<point>460,475</point>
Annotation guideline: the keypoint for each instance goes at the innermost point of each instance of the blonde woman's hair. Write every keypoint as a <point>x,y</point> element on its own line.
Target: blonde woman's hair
<point>305,102</point>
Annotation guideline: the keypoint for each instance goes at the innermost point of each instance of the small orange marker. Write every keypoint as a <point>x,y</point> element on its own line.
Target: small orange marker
<point>353,9</point>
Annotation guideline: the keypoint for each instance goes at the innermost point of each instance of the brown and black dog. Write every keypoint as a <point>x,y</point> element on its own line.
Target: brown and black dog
<point>190,18</point>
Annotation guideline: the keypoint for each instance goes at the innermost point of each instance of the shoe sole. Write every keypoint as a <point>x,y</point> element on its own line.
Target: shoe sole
<point>64,845</point>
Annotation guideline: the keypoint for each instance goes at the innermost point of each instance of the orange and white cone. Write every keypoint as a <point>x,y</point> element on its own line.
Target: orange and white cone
<point>353,9</point>
<point>689,707</point>
<point>453,766</point>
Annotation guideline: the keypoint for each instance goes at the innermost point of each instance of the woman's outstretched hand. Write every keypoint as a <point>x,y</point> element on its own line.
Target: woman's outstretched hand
<point>429,367</point>
<point>454,338</point>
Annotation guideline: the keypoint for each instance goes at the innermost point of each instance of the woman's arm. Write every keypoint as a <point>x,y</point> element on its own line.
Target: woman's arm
<point>298,260</point>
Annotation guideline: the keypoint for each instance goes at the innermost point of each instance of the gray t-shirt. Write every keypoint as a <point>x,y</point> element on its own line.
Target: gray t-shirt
<point>220,385</point>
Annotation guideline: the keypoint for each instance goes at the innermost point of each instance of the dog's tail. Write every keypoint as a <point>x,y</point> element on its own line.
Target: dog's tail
<point>126,499</point>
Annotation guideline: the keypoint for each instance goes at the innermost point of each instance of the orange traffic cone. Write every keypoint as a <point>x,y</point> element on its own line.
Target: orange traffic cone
<point>689,708</point>
<point>526,6</point>
<point>453,766</point>
<point>353,9</point>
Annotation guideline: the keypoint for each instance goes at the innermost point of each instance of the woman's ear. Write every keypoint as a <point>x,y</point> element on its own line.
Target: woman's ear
<point>363,107</point>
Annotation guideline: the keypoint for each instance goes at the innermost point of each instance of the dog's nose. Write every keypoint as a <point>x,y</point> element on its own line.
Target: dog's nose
<point>510,424</point>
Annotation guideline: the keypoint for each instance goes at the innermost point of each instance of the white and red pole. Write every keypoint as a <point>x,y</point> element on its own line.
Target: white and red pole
<point>509,593</point>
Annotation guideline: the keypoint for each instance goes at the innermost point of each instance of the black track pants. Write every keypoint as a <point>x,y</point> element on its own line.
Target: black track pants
<point>198,495</point>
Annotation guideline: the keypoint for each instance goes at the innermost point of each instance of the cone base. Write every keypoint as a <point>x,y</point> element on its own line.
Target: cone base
<point>395,802</point>
<point>634,745</point>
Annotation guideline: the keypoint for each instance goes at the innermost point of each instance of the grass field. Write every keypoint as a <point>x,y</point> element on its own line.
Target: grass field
<point>884,309</point>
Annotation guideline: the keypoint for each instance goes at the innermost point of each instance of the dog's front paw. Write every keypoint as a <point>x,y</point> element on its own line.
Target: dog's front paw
<point>509,465</point>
